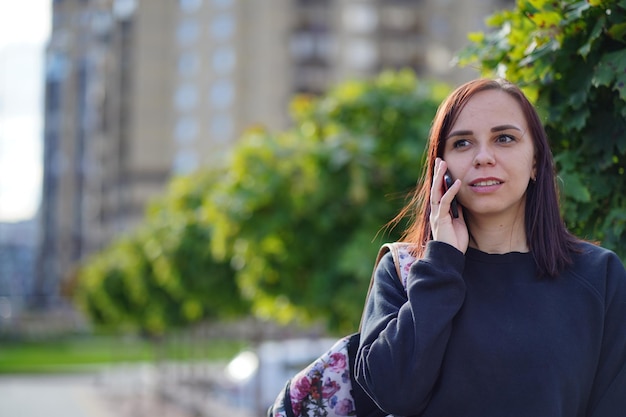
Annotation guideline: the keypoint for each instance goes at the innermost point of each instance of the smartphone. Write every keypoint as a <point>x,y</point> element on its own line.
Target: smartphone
<point>448,181</point>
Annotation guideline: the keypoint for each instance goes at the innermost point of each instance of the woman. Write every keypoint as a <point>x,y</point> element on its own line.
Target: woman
<point>504,313</point>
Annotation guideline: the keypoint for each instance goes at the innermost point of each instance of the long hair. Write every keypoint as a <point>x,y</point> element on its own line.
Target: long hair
<point>550,243</point>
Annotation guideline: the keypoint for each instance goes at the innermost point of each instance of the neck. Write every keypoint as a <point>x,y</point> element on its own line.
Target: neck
<point>493,235</point>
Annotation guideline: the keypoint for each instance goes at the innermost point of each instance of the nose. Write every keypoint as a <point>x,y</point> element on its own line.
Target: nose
<point>484,156</point>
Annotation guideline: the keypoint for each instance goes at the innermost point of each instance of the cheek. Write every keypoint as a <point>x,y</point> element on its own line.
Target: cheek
<point>530,166</point>
<point>520,163</point>
<point>458,166</point>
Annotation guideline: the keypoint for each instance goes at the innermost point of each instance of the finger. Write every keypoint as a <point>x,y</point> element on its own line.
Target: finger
<point>449,195</point>
<point>437,186</point>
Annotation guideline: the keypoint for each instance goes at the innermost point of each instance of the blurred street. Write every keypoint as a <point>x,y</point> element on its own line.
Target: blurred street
<point>245,386</point>
<point>125,390</point>
<point>82,395</point>
<point>73,395</point>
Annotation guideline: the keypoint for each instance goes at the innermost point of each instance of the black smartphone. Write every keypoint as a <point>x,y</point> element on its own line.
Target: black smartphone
<point>448,181</point>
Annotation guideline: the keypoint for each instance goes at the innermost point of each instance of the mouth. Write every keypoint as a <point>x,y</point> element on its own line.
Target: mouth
<point>486,183</point>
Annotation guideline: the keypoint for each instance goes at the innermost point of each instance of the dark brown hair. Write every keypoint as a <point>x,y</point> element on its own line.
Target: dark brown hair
<point>549,241</point>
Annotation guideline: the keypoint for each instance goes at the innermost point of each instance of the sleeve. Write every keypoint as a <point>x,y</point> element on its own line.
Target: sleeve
<point>608,396</point>
<point>405,333</point>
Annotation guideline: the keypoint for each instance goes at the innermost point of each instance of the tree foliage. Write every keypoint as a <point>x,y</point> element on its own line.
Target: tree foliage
<point>570,57</point>
<point>162,275</point>
<point>298,212</point>
<point>289,224</point>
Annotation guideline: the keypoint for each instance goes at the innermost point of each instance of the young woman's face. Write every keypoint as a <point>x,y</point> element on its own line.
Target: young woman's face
<point>491,151</point>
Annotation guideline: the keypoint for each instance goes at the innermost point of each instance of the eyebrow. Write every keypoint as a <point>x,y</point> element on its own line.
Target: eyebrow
<point>499,128</point>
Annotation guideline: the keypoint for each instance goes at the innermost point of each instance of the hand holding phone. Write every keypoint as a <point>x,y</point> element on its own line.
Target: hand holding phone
<point>448,181</point>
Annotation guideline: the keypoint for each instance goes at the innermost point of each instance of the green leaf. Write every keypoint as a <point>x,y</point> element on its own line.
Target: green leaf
<point>609,66</point>
<point>611,72</point>
<point>594,35</point>
<point>574,188</point>
<point>618,32</point>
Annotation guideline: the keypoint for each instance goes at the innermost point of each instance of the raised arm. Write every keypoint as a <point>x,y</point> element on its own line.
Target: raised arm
<point>405,333</point>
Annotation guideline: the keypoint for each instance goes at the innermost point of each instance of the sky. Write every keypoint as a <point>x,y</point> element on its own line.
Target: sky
<point>24,31</point>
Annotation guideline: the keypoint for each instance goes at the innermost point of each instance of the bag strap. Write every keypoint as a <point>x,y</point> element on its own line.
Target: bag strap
<point>394,248</point>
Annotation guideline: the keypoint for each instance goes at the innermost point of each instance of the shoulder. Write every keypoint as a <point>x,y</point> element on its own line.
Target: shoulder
<point>594,259</point>
<point>598,267</point>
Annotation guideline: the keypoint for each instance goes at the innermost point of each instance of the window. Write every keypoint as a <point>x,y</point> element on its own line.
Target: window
<point>188,32</point>
<point>222,3</point>
<point>124,9</point>
<point>360,18</point>
<point>185,161</point>
<point>311,46</point>
<point>190,6</point>
<point>223,26</point>
<point>362,54</point>
<point>224,60</point>
<point>222,94</point>
<point>57,66</point>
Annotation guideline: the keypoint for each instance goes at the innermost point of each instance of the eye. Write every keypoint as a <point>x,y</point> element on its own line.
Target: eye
<point>505,139</point>
<point>460,143</point>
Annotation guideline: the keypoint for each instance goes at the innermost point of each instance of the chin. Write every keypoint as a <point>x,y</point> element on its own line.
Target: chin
<point>494,211</point>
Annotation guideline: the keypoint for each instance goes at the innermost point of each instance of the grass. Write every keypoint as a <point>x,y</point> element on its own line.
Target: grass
<point>76,353</point>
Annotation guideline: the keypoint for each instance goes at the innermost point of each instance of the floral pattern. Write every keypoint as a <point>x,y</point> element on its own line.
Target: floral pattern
<point>324,388</point>
<point>405,260</point>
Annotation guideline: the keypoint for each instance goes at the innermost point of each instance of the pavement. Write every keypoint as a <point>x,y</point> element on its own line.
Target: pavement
<point>118,392</point>
<point>72,395</point>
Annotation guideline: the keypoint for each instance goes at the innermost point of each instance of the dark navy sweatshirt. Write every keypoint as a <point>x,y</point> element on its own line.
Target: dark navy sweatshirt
<point>481,335</point>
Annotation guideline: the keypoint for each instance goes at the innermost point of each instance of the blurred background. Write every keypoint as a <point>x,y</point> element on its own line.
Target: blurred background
<point>191,191</point>
<point>102,102</point>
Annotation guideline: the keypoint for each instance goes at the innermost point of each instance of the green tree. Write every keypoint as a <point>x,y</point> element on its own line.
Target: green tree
<point>290,224</point>
<point>117,290</point>
<point>162,276</point>
<point>570,57</point>
<point>298,212</point>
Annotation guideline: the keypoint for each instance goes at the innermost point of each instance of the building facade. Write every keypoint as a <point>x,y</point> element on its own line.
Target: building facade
<point>17,260</point>
<point>140,90</point>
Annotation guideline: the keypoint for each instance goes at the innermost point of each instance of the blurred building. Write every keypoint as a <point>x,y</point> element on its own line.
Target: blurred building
<point>140,90</point>
<point>17,259</point>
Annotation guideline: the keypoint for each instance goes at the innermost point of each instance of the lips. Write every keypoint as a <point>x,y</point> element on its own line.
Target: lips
<point>486,183</point>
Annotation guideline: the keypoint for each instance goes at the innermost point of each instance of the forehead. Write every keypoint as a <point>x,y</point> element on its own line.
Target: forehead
<point>491,108</point>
